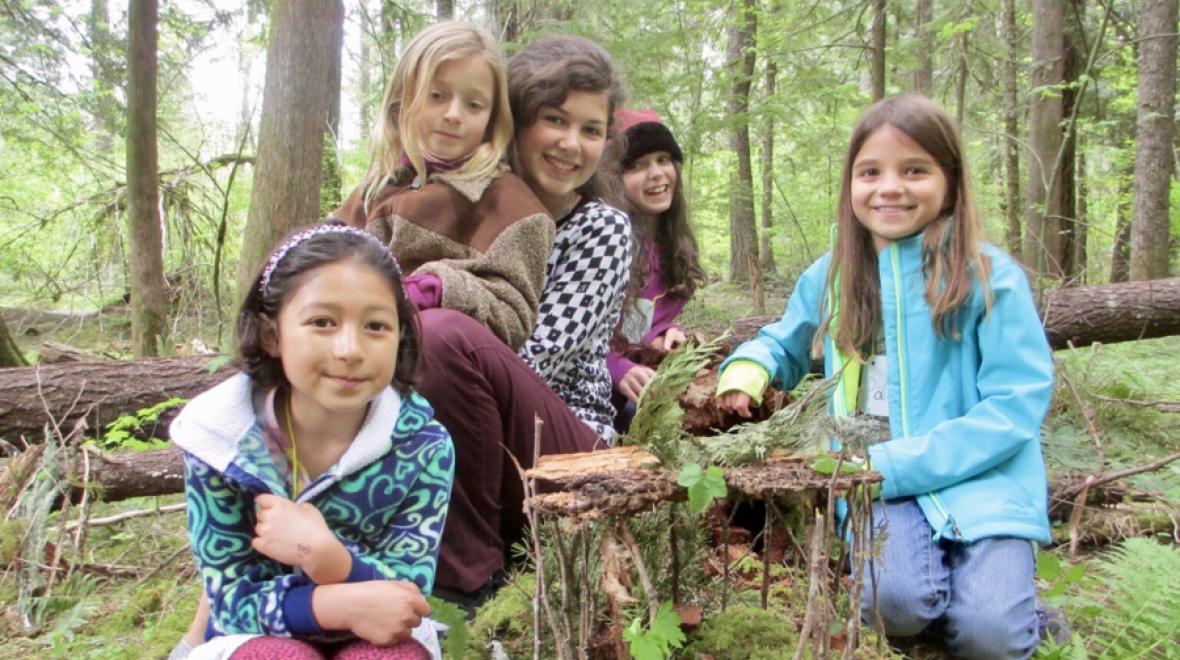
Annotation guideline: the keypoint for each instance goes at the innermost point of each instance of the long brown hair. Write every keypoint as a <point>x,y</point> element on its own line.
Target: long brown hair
<point>672,233</point>
<point>544,73</point>
<point>951,258</point>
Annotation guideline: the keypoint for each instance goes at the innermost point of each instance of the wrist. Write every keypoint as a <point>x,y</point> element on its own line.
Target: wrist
<point>331,607</point>
<point>329,562</point>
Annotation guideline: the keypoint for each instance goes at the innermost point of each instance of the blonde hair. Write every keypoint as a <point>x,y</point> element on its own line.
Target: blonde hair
<point>951,258</point>
<point>395,131</point>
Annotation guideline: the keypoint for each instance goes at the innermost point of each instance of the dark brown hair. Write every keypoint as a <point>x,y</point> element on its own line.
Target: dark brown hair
<point>672,234</point>
<point>262,307</point>
<point>544,73</point>
<point>951,258</point>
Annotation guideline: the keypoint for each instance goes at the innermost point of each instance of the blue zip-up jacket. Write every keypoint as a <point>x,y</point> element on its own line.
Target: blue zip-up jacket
<point>964,414</point>
<point>385,499</point>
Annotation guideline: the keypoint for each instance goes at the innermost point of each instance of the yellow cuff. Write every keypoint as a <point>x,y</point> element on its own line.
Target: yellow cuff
<point>745,376</point>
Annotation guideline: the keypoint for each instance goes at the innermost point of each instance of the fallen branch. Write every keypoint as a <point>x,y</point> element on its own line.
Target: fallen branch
<point>126,515</point>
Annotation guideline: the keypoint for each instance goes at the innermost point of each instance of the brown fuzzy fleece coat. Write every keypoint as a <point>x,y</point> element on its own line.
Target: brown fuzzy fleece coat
<point>488,240</point>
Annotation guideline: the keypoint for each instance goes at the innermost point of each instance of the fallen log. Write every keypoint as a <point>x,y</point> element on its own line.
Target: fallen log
<point>32,397</point>
<point>1080,316</point>
<point>101,391</point>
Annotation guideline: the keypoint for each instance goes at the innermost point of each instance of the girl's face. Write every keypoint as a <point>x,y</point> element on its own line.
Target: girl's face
<point>337,339</point>
<point>650,182</point>
<point>561,149</point>
<point>454,116</point>
<point>897,186</point>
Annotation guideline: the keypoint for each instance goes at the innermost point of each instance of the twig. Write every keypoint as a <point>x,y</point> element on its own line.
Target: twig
<point>1130,472</point>
<point>814,584</point>
<point>653,602</point>
<point>171,558</point>
<point>675,550</point>
<point>1087,414</point>
<point>79,527</point>
<point>1162,406</point>
<point>126,515</point>
<point>767,523</point>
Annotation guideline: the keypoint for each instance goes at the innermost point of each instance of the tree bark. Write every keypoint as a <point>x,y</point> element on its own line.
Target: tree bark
<point>924,72</point>
<point>10,353</point>
<point>300,97</point>
<point>1045,137</point>
<point>101,391</point>
<point>1155,130</point>
<point>1011,128</point>
<point>765,251</point>
<point>961,80</point>
<point>102,46</point>
<point>444,9</point>
<point>743,237</point>
<point>878,49</point>
<point>97,392</point>
<point>149,298</point>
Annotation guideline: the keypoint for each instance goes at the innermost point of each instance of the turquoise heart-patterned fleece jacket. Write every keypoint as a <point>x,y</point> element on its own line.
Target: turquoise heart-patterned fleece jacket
<point>385,499</point>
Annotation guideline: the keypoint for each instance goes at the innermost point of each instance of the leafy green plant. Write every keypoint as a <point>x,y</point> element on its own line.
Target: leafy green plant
<point>703,486</point>
<point>120,434</point>
<point>658,640</point>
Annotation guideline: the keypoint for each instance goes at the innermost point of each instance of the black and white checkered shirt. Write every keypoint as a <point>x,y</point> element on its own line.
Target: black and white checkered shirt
<point>587,277</point>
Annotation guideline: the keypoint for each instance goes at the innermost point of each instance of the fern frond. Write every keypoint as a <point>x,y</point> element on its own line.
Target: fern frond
<point>1138,586</point>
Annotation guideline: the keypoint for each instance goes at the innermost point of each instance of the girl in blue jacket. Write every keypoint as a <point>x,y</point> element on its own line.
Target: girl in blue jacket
<point>931,328</point>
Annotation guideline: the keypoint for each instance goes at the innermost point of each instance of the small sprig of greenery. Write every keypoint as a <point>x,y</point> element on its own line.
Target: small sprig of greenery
<point>658,640</point>
<point>658,422</point>
<point>120,434</point>
<point>704,485</point>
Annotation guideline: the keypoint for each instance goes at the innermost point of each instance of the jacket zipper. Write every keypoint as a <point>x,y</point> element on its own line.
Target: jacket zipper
<point>903,378</point>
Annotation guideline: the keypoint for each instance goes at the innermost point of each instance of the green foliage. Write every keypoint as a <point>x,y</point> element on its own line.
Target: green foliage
<point>507,617</point>
<point>657,422</point>
<point>120,434</point>
<point>657,640</point>
<point>455,642</point>
<point>703,486</point>
<point>745,632</point>
<point>1137,585</point>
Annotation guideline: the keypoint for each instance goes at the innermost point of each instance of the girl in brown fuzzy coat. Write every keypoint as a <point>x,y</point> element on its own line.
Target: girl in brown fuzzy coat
<point>471,235</point>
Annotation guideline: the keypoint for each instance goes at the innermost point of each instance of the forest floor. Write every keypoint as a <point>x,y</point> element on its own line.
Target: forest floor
<point>133,589</point>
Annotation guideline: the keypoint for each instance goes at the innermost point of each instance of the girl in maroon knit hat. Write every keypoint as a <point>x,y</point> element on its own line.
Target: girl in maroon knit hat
<point>666,270</point>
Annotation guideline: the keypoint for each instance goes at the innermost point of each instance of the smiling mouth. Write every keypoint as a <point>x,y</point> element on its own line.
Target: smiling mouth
<point>561,165</point>
<point>658,190</point>
<point>893,208</point>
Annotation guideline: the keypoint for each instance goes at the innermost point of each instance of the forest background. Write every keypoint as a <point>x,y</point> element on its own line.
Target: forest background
<point>152,152</point>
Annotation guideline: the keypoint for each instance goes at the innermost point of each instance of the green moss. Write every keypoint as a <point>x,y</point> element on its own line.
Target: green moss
<point>745,632</point>
<point>508,618</point>
<point>11,533</point>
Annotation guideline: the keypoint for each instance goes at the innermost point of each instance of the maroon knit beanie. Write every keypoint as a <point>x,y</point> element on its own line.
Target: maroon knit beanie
<point>645,133</point>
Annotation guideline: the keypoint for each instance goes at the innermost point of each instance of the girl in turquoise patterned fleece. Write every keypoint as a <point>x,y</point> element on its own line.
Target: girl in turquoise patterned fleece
<point>317,480</point>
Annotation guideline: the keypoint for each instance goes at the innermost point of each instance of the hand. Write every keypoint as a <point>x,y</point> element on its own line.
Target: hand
<point>736,402</point>
<point>296,535</point>
<point>633,382</point>
<point>668,340</point>
<point>379,611</point>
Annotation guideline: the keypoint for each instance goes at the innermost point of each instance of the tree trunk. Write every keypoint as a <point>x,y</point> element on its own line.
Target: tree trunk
<point>300,97</point>
<point>149,298</point>
<point>765,251</point>
<point>1081,222</point>
<point>1011,128</point>
<point>1045,137</point>
<point>102,45</point>
<point>101,391</point>
<point>743,236</point>
<point>366,74</point>
<point>961,80</point>
<point>924,72</point>
<point>10,353</point>
<point>1120,251</point>
<point>1066,222</point>
<point>878,49</point>
<point>1155,130</point>
<point>96,391</point>
<point>444,9</point>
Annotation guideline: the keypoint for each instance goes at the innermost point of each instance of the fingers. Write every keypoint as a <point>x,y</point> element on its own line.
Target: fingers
<point>673,338</point>
<point>736,402</point>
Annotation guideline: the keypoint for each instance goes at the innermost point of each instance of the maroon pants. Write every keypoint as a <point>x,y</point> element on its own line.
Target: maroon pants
<point>487,398</point>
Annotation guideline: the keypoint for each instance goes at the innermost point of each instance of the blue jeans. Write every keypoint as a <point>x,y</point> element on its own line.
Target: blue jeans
<point>981,596</point>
